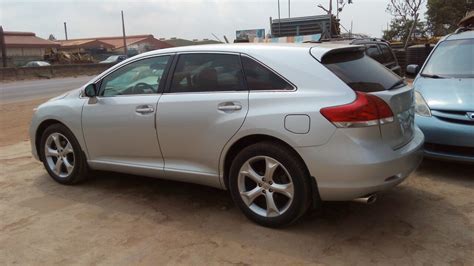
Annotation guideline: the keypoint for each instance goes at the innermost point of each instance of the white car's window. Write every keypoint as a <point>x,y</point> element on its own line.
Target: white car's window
<point>207,72</point>
<point>260,78</point>
<point>141,77</point>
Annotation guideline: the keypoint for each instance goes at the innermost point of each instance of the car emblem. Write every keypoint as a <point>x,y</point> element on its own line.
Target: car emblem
<point>470,115</point>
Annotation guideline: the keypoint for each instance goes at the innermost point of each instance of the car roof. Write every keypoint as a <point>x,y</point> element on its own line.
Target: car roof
<point>317,49</point>
<point>461,35</point>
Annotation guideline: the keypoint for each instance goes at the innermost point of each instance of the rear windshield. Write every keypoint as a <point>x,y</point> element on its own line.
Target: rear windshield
<point>361,72</point>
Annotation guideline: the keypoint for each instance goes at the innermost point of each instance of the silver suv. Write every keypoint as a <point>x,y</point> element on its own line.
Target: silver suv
<point>282,127</point>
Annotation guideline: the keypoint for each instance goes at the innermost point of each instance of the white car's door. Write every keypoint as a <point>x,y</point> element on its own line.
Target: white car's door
<point>119,125</point>
<point>205,105</point>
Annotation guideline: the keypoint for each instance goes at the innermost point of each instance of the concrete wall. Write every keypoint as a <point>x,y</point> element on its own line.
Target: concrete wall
<point>20,73</point>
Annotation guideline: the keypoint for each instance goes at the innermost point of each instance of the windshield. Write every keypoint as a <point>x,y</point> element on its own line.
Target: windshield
<point>452,59</point>
<point>112,58</point>
<point>361,72</point>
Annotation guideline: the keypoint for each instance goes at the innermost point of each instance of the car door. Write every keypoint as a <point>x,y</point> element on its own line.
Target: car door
<point>119,124</point>
<point>205,105</point>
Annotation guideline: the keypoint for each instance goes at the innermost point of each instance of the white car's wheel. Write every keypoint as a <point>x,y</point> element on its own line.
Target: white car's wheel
<point>270,184</point>
<point>62,156</point>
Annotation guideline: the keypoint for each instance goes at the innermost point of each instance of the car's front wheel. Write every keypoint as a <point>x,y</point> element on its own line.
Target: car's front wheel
<point>62,155</point>
<point>270,184</point>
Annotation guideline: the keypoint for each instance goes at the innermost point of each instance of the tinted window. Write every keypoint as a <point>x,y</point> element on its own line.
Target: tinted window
<point>387,56</point>
<point>373,51</point>
<point>207,72</point>
<point>260,78</point>
<point>452,59</point>
<point>141,77</point>
<point>360,72</point>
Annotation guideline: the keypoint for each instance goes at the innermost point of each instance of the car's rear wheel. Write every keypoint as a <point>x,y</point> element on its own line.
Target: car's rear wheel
<point>62,155</point>
<point>270,184</point>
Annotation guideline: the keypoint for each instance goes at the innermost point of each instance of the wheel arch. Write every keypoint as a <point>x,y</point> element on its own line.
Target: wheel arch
<point>246,141</point>
<point>42,127</point>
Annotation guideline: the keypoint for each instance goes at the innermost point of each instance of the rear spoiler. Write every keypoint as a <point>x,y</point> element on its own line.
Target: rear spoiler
<point>320,56</point>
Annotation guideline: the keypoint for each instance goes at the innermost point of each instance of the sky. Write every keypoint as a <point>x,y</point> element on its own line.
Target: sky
<point>189,19</point>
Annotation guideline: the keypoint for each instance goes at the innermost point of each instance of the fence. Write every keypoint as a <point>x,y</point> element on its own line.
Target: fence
<point>21,73</point>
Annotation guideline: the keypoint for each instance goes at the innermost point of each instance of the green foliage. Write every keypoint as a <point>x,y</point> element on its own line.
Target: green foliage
<point>443,15</point>
<point>399,30</point>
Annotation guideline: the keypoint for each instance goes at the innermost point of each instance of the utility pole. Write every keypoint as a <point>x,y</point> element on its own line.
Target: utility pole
<point>124,39</point>
<point>65,30</point>
<point>289,9</point>
<point>279,20</point>
<point>3,47</point>
<point>330,19</point>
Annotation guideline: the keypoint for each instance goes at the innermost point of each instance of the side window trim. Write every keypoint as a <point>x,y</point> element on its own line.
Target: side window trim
<point>161,86</point>
<point>295,88</point>
<point>174,64</point>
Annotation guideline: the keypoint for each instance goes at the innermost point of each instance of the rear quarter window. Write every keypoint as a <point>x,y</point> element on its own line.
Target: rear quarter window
<point>360,72</point>
<point>261,78</point>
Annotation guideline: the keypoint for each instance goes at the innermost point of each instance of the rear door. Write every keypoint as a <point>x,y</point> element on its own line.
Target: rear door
<point>363,74</point>
<point>205,105</point>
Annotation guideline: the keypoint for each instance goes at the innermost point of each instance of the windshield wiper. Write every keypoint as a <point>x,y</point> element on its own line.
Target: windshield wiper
<point>398,83</point>
<point>433,76</point>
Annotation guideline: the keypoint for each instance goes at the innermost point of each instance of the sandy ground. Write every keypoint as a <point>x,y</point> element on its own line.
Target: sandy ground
<point>121,219</point>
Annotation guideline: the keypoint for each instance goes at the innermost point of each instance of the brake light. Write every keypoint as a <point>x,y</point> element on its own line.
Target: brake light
<point>367,110</point>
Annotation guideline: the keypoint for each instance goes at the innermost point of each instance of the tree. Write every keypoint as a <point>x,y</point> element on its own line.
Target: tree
<point>399,30</point>
<point>406,13</point>
<point>443,15</point>
<point>51,37</point>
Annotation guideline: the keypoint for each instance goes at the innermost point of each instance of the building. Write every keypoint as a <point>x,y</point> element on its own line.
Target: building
<point>326,25</point>
<point>22,47</point>
<point>135,44</point>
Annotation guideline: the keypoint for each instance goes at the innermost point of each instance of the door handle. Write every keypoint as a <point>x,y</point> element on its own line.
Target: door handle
<point>144,109</point>
<point>229,107</point>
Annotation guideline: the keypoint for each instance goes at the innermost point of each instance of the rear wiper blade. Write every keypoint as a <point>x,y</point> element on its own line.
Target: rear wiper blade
<point>433,76</point>
<point>398,83</point>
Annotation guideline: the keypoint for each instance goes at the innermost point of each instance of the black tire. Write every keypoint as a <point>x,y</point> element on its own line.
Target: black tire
<point>299,177</point>
<point>80,170</point>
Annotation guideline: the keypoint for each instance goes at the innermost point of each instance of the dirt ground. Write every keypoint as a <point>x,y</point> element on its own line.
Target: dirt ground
<point>122,219</point>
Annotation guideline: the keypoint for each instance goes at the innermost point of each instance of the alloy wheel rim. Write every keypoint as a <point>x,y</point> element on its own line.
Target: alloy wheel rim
<point>265,186</point>
<point>59,155</point>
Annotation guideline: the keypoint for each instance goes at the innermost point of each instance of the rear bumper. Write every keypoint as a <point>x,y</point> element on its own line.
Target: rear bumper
<point>447,140</point>
<point>347,168</point>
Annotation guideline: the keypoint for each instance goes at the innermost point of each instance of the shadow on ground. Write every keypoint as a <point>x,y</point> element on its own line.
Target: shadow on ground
<point>408,223</point>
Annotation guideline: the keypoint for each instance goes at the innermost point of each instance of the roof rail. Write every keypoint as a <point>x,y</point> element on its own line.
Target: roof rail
<point>463,29</point>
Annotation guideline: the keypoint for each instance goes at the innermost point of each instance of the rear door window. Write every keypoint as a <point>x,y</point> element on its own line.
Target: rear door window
<point>387,56</point>
<point>360,72</point>
<point>207,72</point>
<point>261,78</point>
<point>373,51</point>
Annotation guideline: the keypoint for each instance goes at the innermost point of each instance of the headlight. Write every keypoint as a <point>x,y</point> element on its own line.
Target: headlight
<point>421,108</point>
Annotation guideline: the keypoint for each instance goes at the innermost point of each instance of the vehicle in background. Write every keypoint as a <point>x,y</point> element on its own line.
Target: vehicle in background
<point>113,59</point>
<point>243,118</point>
<point>379,50</point>
<point>37,64</point>
<point>445,98</point>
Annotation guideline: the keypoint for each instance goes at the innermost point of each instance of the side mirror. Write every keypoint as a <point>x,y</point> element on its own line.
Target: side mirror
<point>90,91</point>
<point>413,70</point>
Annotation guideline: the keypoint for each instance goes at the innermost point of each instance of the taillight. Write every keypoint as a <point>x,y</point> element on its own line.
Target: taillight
<point>367,110</point>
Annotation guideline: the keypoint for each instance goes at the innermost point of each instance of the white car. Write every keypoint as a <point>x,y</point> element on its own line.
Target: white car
<point>283,127</point>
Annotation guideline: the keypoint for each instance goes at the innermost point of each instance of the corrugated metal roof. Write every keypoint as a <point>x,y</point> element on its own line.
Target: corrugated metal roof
<point>15,39</point>
<point>84,44</point>
<point>117,42</point>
